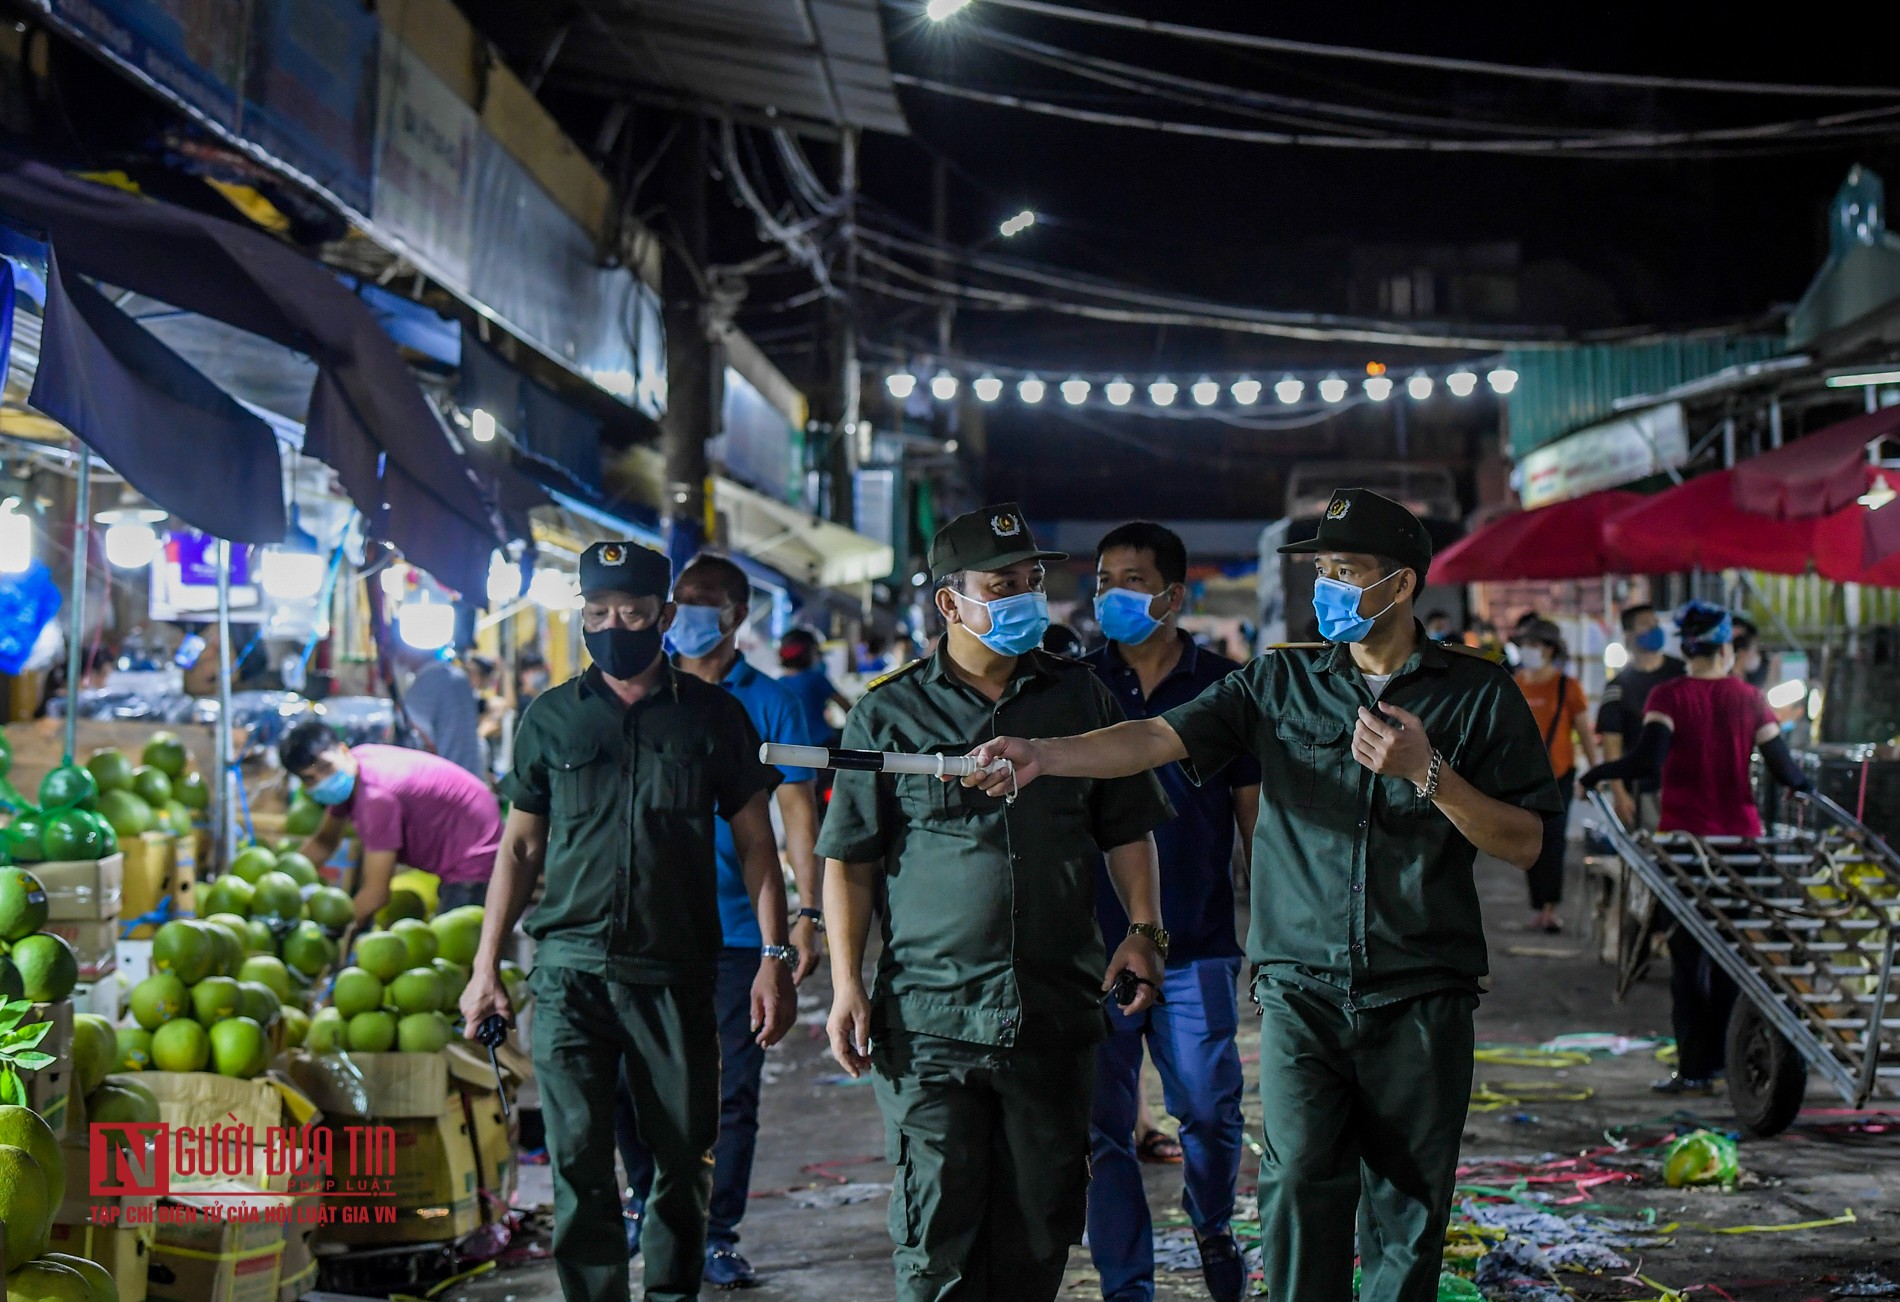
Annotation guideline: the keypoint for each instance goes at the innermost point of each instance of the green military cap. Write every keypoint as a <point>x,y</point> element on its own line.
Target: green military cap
<point>625,567</point>
<point>1359,520</point>
<point>993,538</point>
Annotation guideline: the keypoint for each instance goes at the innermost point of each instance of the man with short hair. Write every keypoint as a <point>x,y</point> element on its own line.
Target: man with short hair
<point>1150,666</point>
<point>618,776</point>
<point>989,996</point>
<point>1620,714</point>
<point>440,704</point>
<point>1388,762</point>
<point>1437,625</point>
<point>712,597</point>
<point>409,808</point>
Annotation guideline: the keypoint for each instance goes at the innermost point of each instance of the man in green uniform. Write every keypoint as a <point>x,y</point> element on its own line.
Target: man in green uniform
<point>1387,762</point>
<point>990,988</point>
<point>617,777</point>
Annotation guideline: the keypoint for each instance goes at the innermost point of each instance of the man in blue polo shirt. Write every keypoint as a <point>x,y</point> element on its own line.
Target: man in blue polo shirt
<point>713,597</point>
<point>1150,666</point>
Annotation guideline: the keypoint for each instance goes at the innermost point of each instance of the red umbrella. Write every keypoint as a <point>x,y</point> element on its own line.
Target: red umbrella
<point>1696,526</point>
<point>1841,539</point>
<point>1564,541</point>
<point>1823,474</point>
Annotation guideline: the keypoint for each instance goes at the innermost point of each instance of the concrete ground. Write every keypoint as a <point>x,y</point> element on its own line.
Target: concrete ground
<point>822,1142</point>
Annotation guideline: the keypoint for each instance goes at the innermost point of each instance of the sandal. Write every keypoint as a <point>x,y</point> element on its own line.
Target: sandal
<point>1158,1148</point>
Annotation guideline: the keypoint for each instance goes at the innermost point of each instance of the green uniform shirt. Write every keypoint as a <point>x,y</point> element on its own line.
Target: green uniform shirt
<point>1362,889</point>
<point>631,889</point>
<point>990,936</point>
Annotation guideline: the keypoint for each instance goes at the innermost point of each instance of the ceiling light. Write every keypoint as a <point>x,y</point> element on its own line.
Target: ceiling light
<point>1163,392</point>
<point>133,508</point>
<point>481,426</point>
<point>1332,389</point>
<point>1378,387</point>
<point>1289,390</point>
<point>1878,494</point>
<point>555,590</point>
<point>1016,225</point>
<point>504,580</point>
<point>1419,386</point>
<point>1502,380</point>
<point>1206,391</point>
<point>1118,391</point>
<point>1246,391</point>
<point>1461,383</point>
<point>16,538</point>
<point>938,10</point>
<point>131,546</point>
<point>1030,389</point>
<point>1075,391</point>
<point>901,384</point>
<point>987,388</point>
<point>943,386</point>
<point>1786,695</point>
<point>1615,656</point>
<point>426,625</point>
<point>1861,379</point>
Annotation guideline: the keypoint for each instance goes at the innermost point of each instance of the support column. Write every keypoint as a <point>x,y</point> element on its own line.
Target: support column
<point>847,432</point>
<point>689,418</point>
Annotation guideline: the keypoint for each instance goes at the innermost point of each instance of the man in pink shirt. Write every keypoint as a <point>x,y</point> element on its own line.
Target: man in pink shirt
<point>409,807</point>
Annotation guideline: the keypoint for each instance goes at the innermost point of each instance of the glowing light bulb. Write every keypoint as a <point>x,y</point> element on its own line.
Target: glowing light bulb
<point>504,580</point>
<point>16,538</point>
<point>1378,387</point>
<point>987,388</point>
<point>481,426</point>
<point>1075,391</point>
<point>943,386</point>
<point>938,10</point>
<point>901,384</point>
<point>1031,390</point>
<point>1615,656</point>
<point>555,590</point>
<point>1332,389</point>
<point>291,575</point>
<point>395,581</point>
<point>1205,392</point>
<point>1289,391</point>
<point>1502,380</point>
<point>1419,386</point>
<point>1246,391</point>
<point>1118,391</point>
<point>1784,695</point>
<point>1162,393</point>
<point>1461,383</point>
<point>131,546</point>
<point>426,625</point>
<point>1016,225</point>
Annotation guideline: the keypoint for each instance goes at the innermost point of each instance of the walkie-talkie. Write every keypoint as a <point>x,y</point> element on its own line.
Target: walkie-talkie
<point>492,1031</point>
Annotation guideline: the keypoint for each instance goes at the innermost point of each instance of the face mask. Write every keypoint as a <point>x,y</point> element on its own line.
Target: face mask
<point>1652,639</point>
<point>696,630</point>
<point>1337,605</point>
<point>623,653</point>
<point>1442,635</point>
<point>1123,615</point>
<point>1532,657</point>
<point>333,790</point>
<point>1016,623</point>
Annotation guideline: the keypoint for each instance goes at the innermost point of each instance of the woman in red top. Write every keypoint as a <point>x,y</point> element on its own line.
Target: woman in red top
<point>1700,732</point>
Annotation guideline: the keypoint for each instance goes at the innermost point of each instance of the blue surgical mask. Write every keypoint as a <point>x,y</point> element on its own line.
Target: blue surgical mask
<point>1652,639</point>
<point>1337,605</point>
<point>695,631</point>
<point>333,790</point>
<point>1016,623</point>
<point>1123,615</point>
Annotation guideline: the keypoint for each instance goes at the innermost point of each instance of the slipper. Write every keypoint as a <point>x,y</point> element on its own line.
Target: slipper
<point>1158,1148</point>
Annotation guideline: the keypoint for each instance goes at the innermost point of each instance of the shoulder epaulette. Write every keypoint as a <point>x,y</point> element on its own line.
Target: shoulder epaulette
<point>1299,646</point>
<point>894,674</point>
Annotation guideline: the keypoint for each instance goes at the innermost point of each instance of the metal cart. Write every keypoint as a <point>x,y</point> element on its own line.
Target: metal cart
<point>1804,919</point>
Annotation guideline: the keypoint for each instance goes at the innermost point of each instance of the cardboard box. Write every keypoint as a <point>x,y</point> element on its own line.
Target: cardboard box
<point>126,1251</point>
<point>199,1258</point>
<point>48,1088</point>
<point>495,1162</point>
<point>83,890</point>
<point>297,1269</point>
<point>202,1098</point>
<point>386,1086</point>
<point>151,862</point>
<point>104,995</point>
<point>95,944</point>
<point>431,1183</point>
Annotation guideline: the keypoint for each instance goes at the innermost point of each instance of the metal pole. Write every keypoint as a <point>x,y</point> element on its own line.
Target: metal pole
<point>76,639</point>
<point>227,780</point>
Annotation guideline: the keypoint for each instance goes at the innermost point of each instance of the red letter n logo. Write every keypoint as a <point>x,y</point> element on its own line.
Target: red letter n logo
<point>130,1159</point>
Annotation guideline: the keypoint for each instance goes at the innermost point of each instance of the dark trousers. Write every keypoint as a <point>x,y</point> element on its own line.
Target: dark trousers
<point>1547,874</point>
<point>1362,1113</point>
<point>992,1154</point>
<point>587,1031</point>
<point>741,1063</point>
<point>453,895</point>
<point>1191,1038</point>
<point>1704,996</point>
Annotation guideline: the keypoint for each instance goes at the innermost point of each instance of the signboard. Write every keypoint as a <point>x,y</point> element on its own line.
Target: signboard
<point>310,91</point>
<point>1603,456</point>
<point>425,150</point>
<point>192,48</point>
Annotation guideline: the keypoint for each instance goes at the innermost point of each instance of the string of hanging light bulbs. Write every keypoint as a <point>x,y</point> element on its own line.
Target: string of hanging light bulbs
<point>1292,390</point>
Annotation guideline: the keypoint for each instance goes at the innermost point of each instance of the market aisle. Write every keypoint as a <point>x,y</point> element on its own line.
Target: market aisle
<point>821,1138</point>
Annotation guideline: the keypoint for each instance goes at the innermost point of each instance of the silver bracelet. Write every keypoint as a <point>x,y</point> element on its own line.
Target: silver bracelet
<point>1430,790</point>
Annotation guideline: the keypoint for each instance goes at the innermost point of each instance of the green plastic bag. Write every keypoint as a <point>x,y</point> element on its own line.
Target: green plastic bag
<point>1701,1157</point>
<point>1451,1288</point>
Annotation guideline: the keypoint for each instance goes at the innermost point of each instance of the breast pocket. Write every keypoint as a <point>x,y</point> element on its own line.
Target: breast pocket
<point>676,773</point>
<point>579,781</point>
<point>1315,754</point>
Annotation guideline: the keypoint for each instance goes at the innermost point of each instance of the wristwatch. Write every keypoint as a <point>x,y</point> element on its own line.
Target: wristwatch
<point>815,915</point>
<point>787,954</point>
<point>1156,933</point>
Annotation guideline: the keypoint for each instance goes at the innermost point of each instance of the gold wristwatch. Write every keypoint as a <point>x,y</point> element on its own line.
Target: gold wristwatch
<point>1156,933</point>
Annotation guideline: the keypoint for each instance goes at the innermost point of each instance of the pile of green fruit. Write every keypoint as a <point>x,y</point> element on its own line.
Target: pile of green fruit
<point>212,999</point>
<point>400,992</point>
<point>162,793</point>
<point>32,1185</point>
<point>34,965</point>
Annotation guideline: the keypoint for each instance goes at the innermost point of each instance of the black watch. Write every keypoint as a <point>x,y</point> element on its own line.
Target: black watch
<point>815,915</point>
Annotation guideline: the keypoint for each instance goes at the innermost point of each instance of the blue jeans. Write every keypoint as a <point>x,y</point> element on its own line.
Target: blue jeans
<point>741,1062</point>
<point>453,895</point>
<point>1191,1039</point>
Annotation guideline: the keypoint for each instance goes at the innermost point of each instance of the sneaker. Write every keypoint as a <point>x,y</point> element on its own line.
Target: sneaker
<point>726,1269</point>
<point>635,1214</point>
<point>1685,1086</point>
<point>1223,1269</point>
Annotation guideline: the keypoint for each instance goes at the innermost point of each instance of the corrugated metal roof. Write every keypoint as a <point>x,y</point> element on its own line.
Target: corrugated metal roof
<point>819,60</point>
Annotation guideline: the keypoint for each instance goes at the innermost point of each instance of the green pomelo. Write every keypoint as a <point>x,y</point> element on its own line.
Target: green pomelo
<point>260,1002</point>
<point>128,815</point>
<point>153,785</point>
<point>48,968</point>
<point>238,1048</point>
<point>253,862</point>
<point>100,1285</point>
<point>382,953</point>
<point>166,753</point>
<point>296,1027</point>
<point>23,905</point>
<point>372,1032</point>
<point>26,838</point>
<point>454,981</point>
<point>304,817</point>
<point>122,1100</point>
<point>73,835</point>
<point>402,904</point>
<point>267,971</point>
<point>419,990</point>
<point>158,999</point>
<point>423,1033</point>
<point>215,999</point>
<point>186,949</point>
<point>24,1202</point>
<point>228,895</point>
<point>110,769</point>
<point>356,991</point>
<point>26,1129</point>
<point>278,896</point>
<point>331,908</point>
<point>181,1045</point>
<point>418,938</point>
<point>68,787</point>
<point>10,984</point>
<point>191,791</point>
<point>458,933</point>
<point>328,1031</point>
<point>135,1048</point>
<point>259,938</point>
<point>46,1280</point>
<point>95,1050</point>
<point>308,950</point>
